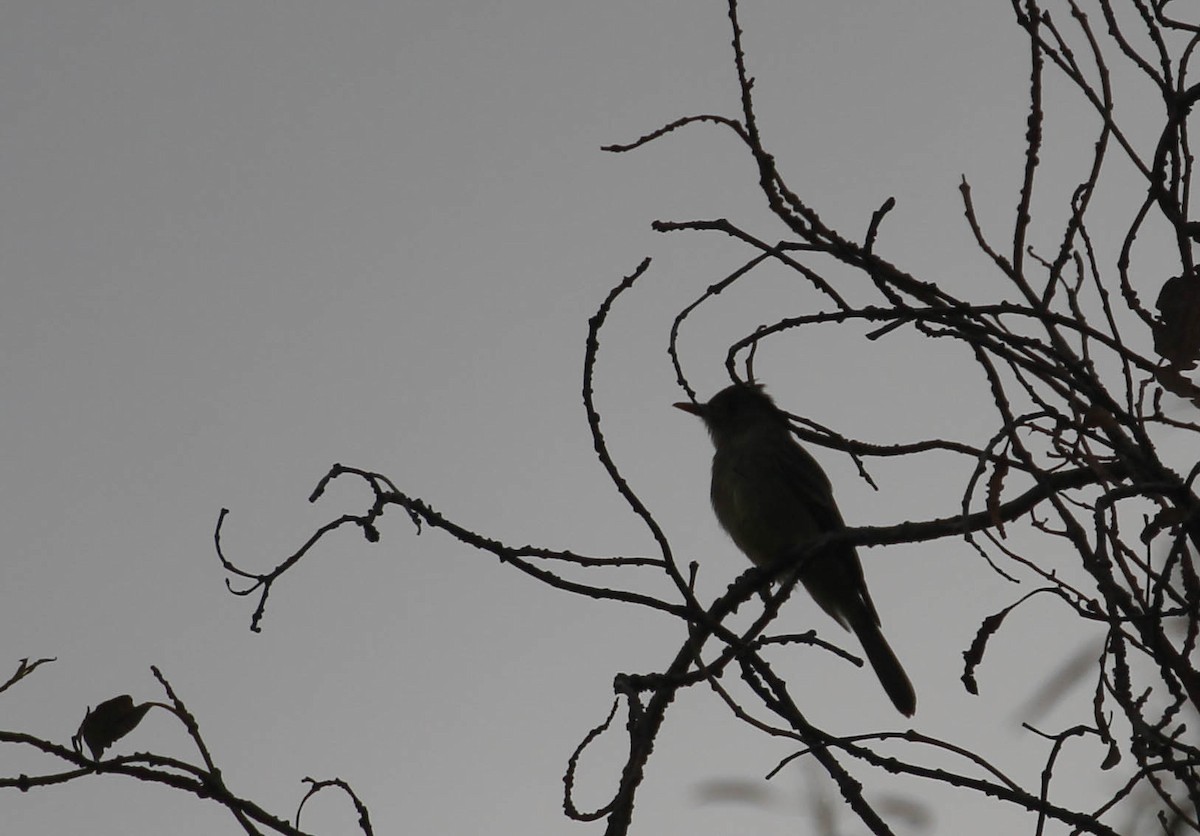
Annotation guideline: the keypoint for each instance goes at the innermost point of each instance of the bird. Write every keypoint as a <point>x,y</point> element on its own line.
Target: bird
<point>771,497</point>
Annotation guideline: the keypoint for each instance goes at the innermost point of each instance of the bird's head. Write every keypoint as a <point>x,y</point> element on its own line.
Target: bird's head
<point>736,410</point>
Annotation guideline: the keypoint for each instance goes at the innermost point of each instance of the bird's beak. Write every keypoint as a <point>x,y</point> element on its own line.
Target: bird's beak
<point>693,408</point>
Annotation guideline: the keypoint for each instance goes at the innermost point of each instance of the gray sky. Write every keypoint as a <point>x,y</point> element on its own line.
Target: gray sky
<point>240,242</point>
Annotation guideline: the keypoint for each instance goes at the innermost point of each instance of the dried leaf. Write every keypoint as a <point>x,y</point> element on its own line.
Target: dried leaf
<point>1168,518</point>
<point>974,654</point>
<point>1113,756</point>
<point>1175,383</point>
<point>994,488</point>
<point>1177,332</point>
<point>108,722</point>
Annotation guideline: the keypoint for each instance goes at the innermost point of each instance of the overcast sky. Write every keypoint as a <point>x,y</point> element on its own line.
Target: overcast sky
<point>241,241</point>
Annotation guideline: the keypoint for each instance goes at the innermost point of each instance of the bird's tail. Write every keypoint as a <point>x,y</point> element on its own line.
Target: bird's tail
<point>887,667</point>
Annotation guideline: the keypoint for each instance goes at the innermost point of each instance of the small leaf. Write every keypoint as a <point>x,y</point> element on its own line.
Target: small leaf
<point>995,487</point>
<point>109,722</point>
<point>1170,379</point>
<point>974,654</point>
<point>1113,757</point>
<point>1177,332</point>
<point>1167,518</point>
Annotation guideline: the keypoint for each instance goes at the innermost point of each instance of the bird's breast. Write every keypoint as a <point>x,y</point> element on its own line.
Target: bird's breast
<point>754,504</point>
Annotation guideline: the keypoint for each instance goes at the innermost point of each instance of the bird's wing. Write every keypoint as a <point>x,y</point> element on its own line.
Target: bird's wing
<point>813,489</point>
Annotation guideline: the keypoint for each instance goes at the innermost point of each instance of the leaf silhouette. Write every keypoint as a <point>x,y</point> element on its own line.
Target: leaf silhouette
<point>1177,332</point>
<point>109,722</point>
<point>1170,378</point>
